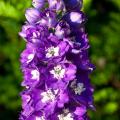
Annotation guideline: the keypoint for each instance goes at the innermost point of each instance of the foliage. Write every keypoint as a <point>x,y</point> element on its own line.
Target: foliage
<point>103,28</point>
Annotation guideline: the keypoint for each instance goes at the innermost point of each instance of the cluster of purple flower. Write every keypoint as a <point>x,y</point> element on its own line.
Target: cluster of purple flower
<point>55,63</point>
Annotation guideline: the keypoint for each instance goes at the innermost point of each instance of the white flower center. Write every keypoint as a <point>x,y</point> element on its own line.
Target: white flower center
<point>40,118</point>
<point>58,72</point>
<point>67,117</point>
<point>76,17</point>
<point>79,88</point>
<point>35,74</point>
<point>52,51</point>
<point>30,57</point>
<point>48,95</point>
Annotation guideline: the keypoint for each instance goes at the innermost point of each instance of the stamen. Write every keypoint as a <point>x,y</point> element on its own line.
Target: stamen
<point>35,74</point>
<point>58,72</point>
<point>79,88</point>
<point>52,52</point>
<point>47,96</point>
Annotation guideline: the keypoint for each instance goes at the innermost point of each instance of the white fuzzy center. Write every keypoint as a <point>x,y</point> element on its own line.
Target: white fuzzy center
<point>48,96</point>
<point>35,74</point>
<point>52,52</point>
<point>58,72</point>
<point>79,88</point>
<point>30,58</point>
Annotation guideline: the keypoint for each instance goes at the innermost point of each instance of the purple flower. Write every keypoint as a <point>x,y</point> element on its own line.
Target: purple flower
<point>61,74</point>
<point>50,50</point>
<point>28,110</point>
<point>38,3</point>
<point>55,62</point>
<point>26,99</point>
<point>31,77</point>
<point>56,4</point>
<point>81,92</point>
<point>50,17</point>
<point>53,99</point>
<point>34,33</point>
<point>62,30</point>
<point>24,28</point>
<point>28,54</point>
<point>32,15</point>
<point>47,99</point>
<point>72,113</point>
<point>75,19</point>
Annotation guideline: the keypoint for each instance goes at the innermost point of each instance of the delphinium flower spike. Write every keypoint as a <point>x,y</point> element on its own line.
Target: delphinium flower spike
<point>55,63</point>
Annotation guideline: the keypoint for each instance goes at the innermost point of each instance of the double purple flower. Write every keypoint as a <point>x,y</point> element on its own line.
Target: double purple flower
<point>55,63</point>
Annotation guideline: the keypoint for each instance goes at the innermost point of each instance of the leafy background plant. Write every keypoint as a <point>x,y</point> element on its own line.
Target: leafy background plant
<point>103,27</point>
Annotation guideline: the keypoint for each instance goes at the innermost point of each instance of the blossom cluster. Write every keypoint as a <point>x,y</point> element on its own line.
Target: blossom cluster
<point>55,63</point>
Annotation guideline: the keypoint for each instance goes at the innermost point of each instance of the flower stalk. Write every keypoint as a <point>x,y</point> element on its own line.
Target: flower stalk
<point>55,63</point>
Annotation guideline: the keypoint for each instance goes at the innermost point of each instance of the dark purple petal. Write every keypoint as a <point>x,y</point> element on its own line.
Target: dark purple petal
<point>73,4</point>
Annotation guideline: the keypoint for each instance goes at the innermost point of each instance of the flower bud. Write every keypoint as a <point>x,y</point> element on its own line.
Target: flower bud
<point>75,19</point>
<point>56,4</point>
<point>73,4</point>
<point>32,15</point>
<point>62,30</point>
<point>38,3</point>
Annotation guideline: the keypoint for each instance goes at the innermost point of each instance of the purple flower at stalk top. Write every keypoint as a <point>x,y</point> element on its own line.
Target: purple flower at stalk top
<point>38,3</point>
<point>32,15</point>
<point>56,4</point>
<point>55,62</point>
<point>75,19</point>
<point>28,54</point>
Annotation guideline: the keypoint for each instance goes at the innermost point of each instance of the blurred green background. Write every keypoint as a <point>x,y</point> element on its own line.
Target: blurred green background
<point>103,28</point>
